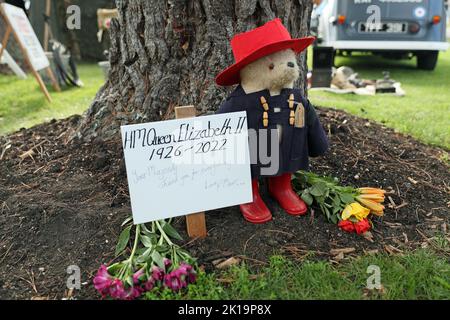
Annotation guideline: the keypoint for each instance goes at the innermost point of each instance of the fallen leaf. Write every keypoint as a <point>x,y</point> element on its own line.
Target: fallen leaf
<point>406,237</point>
<point>335,252</point>
<point>339,256</point>
<point>392,250</point>
<point>27,154</point>
<point>368,236</point>
<point>228,263</point>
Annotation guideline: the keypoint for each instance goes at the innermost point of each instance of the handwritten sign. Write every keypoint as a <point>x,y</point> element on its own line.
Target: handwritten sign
<point>26,36</point>
<point>183,166</point>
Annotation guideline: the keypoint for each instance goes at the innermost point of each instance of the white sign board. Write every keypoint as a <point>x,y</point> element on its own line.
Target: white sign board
<point>184,166</point>
<point>25,34</point>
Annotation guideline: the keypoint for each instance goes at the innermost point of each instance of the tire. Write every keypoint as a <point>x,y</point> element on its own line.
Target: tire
<point>427,60</point>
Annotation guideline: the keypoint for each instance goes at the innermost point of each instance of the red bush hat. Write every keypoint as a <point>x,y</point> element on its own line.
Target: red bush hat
<point>254,44</point>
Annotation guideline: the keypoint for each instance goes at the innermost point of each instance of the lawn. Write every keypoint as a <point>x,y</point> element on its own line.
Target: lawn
<point>418,275</point>
<point>424,112</point>
<point>22,104</point>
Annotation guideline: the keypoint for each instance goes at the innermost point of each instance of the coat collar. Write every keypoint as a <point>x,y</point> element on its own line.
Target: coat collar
<point>239,92</point>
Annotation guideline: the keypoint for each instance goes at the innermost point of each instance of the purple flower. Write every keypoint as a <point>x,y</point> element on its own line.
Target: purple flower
<point>167,263</point>
<point>137,276</point>
<point>157,273</point>
<point>117,290</point>
<point>173,281</point>
<point>189,272</point>
<point>131,293</point>
<point>103,281</point>
<point>149,284</point>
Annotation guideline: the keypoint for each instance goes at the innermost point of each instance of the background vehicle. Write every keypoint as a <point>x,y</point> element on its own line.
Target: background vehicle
<point>391,28</point>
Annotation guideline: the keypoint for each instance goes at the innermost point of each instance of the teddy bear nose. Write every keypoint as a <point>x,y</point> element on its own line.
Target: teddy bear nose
<point>291,64</point>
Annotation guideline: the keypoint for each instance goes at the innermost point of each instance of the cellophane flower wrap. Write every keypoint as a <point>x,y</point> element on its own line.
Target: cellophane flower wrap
<point>155,262</point>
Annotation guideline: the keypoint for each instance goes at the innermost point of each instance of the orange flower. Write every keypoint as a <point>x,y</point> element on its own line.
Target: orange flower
<point>371,191</point>
<point>374,197</point>
<point>375,207</point>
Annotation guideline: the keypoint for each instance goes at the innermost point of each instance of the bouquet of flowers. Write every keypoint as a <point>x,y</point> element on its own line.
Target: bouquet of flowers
<point>348,207</point>
<point>154,262</point>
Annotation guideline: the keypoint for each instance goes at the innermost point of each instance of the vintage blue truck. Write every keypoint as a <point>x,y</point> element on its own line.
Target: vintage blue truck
<point>390,28</point>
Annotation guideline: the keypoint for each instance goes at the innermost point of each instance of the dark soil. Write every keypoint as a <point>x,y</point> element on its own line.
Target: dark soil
<point>63,205</point>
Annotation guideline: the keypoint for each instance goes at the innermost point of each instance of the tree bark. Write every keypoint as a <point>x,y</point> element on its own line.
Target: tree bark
<point>166,53</point>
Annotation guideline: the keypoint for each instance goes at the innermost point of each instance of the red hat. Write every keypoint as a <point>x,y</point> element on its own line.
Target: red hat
<point>252,45</point>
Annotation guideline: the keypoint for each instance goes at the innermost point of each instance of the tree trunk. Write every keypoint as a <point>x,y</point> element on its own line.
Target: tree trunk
<point>166,53</point>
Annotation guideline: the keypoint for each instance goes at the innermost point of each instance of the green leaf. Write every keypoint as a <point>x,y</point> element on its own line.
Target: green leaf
<point>170,231</point>
<point>346,198</point>
<point>334,219</point>
<point>307,198</point>
<point>336,201</point>
<point>123,240</point>
<point>319,189</point>
<point>146,241</point>
<point>158,259</point>
<point>144,256</point>
<point>126,221</point>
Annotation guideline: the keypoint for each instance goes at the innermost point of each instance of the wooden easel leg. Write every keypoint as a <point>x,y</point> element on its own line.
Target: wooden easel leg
<point>42,85</point>
<point>53,79</point>
<point>5,39</point>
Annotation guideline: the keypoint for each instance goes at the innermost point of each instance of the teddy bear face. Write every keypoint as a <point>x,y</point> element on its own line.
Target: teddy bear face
<point>273,72</point>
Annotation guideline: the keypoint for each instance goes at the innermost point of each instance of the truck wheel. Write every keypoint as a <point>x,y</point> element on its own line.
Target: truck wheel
<point>427,60</point>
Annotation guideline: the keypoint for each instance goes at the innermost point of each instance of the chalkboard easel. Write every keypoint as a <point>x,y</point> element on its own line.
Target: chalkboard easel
<point>10,30</point>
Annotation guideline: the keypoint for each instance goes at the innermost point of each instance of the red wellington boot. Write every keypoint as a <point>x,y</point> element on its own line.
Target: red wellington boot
<point>281,189</point>
<point>256,211</point>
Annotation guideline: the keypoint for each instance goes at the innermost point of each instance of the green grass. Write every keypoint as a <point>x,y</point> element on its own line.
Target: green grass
<point>418,275</point>
<point>22,104</point>
<point>424,112</point>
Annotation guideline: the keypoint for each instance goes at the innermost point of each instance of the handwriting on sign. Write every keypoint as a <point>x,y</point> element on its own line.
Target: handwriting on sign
<point>182,166</point>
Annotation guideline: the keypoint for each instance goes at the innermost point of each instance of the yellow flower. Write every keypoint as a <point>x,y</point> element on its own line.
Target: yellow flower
<point>375,207</point>
<point>356,210</point>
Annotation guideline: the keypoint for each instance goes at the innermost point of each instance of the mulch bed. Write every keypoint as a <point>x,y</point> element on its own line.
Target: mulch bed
<point>62,204</point>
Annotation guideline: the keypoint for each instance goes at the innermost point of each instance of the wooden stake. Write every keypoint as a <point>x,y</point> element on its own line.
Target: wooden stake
<point>196,222</point>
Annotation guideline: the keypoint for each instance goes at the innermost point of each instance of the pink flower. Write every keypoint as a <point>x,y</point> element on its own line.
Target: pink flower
<point>148,286</point>
<point>137,275</point>
<point>167,263</point>
<point>131,293</point>
<point>157,273</point>
<point>103,281</point>
<point>173,281</point>
<point>117,290</point>
<point>190,273</point>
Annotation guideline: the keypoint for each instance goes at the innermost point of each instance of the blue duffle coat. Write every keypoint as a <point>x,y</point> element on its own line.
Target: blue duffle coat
<point>296,144</point>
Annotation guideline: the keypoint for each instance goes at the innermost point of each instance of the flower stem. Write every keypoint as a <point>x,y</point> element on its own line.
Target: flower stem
<point>170,243</point>
<point>136,241</point>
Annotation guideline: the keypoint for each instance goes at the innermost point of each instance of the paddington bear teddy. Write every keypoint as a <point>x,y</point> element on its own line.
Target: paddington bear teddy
<point>285,123</point>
